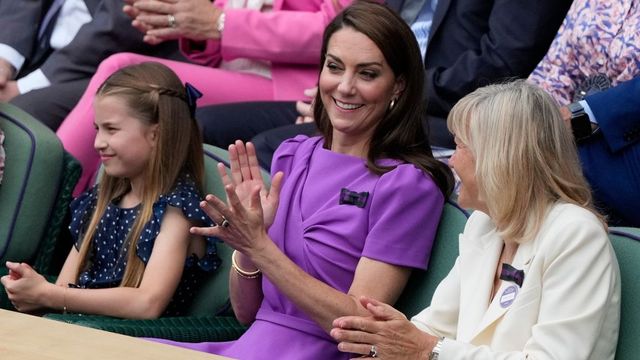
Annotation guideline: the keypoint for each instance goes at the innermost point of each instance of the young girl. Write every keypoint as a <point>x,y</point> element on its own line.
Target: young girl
<point>132,230</point>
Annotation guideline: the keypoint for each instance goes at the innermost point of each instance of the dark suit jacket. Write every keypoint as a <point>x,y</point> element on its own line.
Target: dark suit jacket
<point>18,19</point>
<point>473,43</point>
<point>611,158</point>
<point>109,32</point>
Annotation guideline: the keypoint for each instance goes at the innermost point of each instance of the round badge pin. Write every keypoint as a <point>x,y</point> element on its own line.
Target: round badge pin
<point>508,296</point>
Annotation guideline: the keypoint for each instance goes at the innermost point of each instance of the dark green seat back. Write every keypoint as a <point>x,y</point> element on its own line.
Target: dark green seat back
<point>626,243</point>
<point>422,284</point>
<point>33,174</point>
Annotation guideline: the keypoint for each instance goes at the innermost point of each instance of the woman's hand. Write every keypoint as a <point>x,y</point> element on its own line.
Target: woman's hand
<point>305,109</point>
<point>27,290</point>
<point>241,227</point>
<point>387,331</point>
<point>162,20</point>
<point>246,176</point>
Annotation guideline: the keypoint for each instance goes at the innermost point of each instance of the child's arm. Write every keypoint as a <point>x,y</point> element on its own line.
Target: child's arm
<point>159,282</point>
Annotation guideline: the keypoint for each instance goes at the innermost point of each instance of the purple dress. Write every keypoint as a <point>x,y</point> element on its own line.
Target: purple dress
<point>326,234</point>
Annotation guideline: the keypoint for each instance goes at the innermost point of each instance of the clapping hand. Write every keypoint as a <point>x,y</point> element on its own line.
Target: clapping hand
<point>250,208</point>
<point>305,109</point>
<point>162,20</point>
<point>386,332</point>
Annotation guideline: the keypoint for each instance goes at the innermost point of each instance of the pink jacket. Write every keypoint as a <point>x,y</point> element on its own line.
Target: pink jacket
<point>289,36</point>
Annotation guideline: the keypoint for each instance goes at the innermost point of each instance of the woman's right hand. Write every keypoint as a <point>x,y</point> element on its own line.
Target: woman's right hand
<point>246,175</point>
<point>387,330</point>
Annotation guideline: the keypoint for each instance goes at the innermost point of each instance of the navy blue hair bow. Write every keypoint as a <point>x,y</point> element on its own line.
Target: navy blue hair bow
<point>509,273</point>
<point>193,95</point>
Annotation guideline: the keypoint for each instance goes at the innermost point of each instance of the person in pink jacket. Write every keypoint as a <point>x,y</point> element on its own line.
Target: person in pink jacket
<point>243,50</point>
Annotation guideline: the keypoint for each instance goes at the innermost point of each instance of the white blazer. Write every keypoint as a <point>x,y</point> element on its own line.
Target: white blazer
<point>568,307</point>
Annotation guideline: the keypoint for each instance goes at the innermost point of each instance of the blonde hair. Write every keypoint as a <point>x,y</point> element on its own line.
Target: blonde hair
<point>154,95</point>
<point>526,159</point>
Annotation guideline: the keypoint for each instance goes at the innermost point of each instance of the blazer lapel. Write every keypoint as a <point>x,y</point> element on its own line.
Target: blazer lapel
<point>396,5</point>
<point>410,10</point>
<point>477,272</point>
<point>441,10</point>
<point>508,291</point>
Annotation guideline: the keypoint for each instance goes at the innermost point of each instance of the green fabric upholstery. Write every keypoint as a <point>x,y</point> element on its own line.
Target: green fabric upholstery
<point>35,194</point>
<point>422,284</point>
<point>33,172</point>
<point>188,328</point>
<point>43,262</point>
<point>626,243</point>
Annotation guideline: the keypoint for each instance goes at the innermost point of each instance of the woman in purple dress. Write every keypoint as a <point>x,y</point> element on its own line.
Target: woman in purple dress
<point>358,207</point>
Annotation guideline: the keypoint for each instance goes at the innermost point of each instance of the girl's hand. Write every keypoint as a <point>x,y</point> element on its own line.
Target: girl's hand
<point>393,336</point>
<point>246,175</point>
<point>27,290</point>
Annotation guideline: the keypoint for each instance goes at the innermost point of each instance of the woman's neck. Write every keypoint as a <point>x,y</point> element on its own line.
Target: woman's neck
<point>342,145</point>
<point>509,251</point>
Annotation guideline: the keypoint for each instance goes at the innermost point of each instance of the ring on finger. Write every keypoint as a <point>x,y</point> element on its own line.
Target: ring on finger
<point>225,223</point>
<point>172,20</point>
<point>373,352</point>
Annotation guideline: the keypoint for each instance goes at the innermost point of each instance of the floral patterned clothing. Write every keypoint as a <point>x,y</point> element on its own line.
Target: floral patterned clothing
<point>599,39</point>
<point>1,155</point>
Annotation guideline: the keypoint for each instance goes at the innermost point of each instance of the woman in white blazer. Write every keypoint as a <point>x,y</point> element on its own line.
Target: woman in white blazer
<point>536,277</point>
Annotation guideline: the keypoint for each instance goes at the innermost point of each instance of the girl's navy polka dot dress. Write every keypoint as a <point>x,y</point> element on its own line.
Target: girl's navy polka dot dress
<point>109,254</point>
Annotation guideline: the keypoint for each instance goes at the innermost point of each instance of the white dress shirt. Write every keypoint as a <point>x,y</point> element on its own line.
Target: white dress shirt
<point>73,15</point>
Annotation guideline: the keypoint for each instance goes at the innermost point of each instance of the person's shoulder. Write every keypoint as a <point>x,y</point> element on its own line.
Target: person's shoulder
<point>85,199</point>
<point>299,147</point>
<point>408,184</point>
<point>185,184</point>
<point>184,195</point>
<point>478,225</point>
<point>569,225</point>
<point>297,143</point>
<point>572,216</point>
<point>406,175</point>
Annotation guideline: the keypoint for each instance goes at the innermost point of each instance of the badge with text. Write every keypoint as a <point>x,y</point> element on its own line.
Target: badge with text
<point>508,296</point>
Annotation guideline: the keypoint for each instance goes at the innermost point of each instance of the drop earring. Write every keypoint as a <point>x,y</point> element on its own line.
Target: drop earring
<point>392,104</point>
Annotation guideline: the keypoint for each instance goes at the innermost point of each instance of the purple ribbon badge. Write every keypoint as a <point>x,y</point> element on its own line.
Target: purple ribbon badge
<point>348,197</point>
<point>509,273</point>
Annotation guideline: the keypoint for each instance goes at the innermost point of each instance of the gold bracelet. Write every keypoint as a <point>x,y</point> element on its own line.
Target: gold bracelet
<point>243,273</point>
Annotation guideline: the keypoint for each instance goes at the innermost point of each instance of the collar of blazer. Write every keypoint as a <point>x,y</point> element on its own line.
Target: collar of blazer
<point>477,271</point>
<point>438,17</point>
